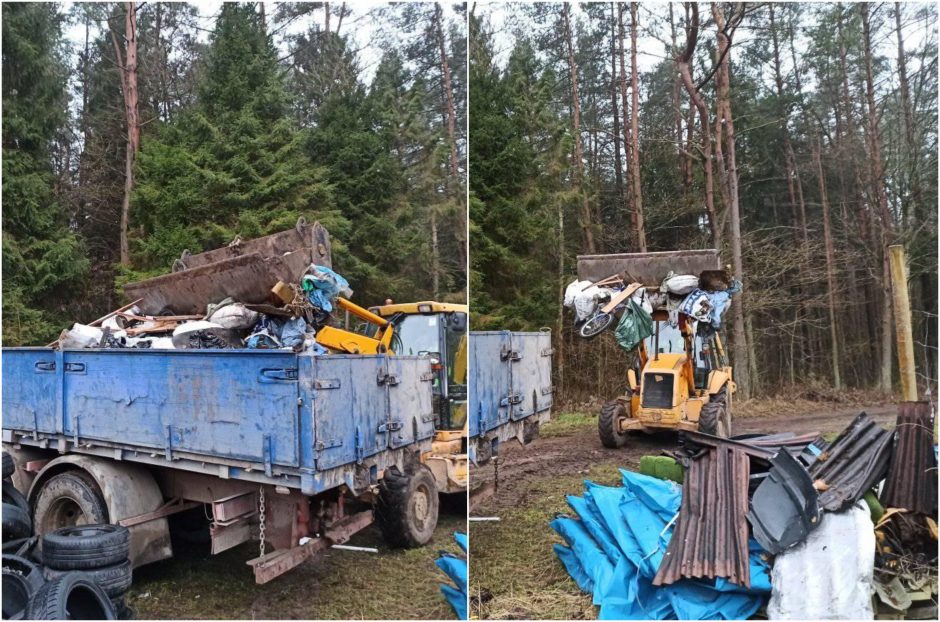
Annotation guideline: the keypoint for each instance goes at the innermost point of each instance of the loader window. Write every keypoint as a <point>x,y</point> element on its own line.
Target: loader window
<point>670,340</point>
<point>419,334</point>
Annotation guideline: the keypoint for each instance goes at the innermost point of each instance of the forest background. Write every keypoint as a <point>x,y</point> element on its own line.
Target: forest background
<point>135,131</point>
<point>799,139</point>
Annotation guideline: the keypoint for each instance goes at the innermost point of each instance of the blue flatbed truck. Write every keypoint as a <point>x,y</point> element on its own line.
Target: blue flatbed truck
<point>296,452</point>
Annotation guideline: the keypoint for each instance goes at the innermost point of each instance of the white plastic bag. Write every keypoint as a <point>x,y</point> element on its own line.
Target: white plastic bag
<point>680,284</point>
<point>829,576</point>
<point>81,336</point>
<point>573,289</point>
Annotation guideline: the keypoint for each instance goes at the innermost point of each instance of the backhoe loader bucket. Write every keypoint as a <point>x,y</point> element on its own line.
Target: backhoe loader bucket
<point>246,270</point>
<point>647,268</point>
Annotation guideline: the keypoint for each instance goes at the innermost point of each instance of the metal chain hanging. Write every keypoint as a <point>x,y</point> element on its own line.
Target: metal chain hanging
<point>261,525</point>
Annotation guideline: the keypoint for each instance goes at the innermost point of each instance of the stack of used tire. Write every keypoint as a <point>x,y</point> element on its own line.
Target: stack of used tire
<point>78,573</point>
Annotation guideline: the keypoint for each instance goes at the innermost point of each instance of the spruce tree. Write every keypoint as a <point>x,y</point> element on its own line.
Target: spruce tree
<point>43,260</point>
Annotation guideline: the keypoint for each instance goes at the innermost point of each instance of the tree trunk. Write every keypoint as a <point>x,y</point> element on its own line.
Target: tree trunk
<point>326,17</point>
<point>876,165</point>
<point>730,176</point>
<point>614,104</point>
<point>830,266</point>
<point>587,224</point>
<point>627,139</point>
<point>685,70</point>
<point>435,257</point>
<point>128,65</point>
<point>635,133</point>
<point>448,91</point>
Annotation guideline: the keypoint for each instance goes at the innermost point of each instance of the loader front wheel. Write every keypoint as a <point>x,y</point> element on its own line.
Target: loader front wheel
<point>715,418</point>
<point>608,425</point>
<point>408,506</point>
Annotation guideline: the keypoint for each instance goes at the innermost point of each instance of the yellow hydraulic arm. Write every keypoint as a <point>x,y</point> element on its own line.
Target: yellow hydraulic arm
<point>353,343</point>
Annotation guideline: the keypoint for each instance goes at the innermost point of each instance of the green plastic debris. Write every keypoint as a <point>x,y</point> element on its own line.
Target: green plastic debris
<point>874,506</point>
<point>662,467</point>
<point>635,326</point>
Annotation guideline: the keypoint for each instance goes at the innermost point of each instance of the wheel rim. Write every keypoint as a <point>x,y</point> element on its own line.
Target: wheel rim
<point>63,512</point>
<point>596,324</point>
<point>421,506</point>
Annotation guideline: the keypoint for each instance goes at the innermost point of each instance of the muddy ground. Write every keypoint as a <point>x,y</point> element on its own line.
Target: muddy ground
<point>393,584</point>
<point>514,573</point>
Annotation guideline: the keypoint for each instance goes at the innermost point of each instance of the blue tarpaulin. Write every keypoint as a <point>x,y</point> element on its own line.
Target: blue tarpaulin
<point>617,541</point>
<point>456,568</point>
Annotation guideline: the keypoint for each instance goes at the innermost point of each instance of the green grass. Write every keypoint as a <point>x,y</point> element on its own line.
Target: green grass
<point>565,424</point>
<point>513,559</point>
<point>393,584</point>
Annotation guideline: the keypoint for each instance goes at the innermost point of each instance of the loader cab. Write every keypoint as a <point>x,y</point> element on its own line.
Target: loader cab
<point>438,331</point>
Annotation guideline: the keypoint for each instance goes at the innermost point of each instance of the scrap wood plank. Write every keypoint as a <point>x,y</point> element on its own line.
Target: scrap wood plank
<point>101,319</point>
<point>620,296</point>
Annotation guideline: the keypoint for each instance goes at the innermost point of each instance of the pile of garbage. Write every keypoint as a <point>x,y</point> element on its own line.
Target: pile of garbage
<point>702,299</point>
<point>288,320</point>
<point>790,524</point>
<point>455,567</point>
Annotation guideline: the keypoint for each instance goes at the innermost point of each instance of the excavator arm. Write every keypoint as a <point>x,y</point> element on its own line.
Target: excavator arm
<point>340,340</point>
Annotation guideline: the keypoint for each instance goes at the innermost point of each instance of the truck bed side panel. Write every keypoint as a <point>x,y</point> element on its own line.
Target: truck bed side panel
<point>29,390</point>
<point>411,412</point>
<point>532,373</point>
<point>232,404</point>
<point>490,381</point>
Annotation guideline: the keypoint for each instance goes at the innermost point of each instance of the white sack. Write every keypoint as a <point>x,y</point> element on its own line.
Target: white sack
<point>574,288</point>
<point>81,336</point>
<point>681,284</point>
<point>829,576</point>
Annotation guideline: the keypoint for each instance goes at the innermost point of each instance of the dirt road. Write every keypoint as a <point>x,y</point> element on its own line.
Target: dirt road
<point>513,571</point>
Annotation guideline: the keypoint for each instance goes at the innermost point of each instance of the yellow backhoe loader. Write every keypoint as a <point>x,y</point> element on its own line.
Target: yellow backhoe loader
<point>680,378</point>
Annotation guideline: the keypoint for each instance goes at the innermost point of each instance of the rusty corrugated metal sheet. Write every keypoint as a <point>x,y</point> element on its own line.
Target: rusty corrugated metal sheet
<point>912,477</point>
<point>711,535</point>
<point>855,461</point>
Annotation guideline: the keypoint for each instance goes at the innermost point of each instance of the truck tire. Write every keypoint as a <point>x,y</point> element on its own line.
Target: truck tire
<point>85,547</point>
<point>408,506</point>
<point>715,418</point>
<point>14,497</point>
<point>24,567</point>
<point>73,596</point>
<point>9,467</point>
<point>17,591</point>
<point>16,523</point>
<point>68,499</point>
<point>114,580</point>
<point>607,427</point>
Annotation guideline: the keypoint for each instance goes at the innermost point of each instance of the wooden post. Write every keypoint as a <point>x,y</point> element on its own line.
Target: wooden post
<point>902,322</point>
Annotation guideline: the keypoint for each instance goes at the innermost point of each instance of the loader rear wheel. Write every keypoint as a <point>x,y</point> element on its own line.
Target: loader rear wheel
<point>408,506</point>
<point>608,424</point>
<point>715,418</point>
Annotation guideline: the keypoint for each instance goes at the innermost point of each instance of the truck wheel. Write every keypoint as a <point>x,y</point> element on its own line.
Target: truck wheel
<point>715,418</point>
<point>114,580</point>
<point>73,596</point>
<point>608,425</point>
<point>16,523</point>
<point>408,506</point>
<point>9,467</point>
<point>69,499</point>
<point>86,546</point>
